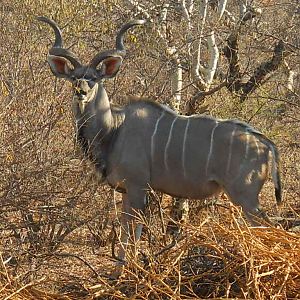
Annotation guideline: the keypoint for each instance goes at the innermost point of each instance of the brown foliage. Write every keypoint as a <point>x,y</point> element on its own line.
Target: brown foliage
<point>56,222</point>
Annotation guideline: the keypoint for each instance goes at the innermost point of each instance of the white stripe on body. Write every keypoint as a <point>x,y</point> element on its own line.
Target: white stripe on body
<point>153,135</point>
<point>247,144</point>
<point>211,146</point>
<point>246,157</point>
<point>257,146</point>
<point>184,147</point>
<point>230,150</point>
<point>168,144</point>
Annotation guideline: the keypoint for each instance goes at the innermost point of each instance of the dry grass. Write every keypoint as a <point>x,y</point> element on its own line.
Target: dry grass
<point>211,260</point>
<point>56,222</point>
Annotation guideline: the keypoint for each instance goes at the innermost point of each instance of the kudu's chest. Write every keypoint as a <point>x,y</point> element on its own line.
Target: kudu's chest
<point>93,145</point>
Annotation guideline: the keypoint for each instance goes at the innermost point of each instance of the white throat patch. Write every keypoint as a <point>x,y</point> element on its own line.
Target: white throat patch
<point>89,97</point>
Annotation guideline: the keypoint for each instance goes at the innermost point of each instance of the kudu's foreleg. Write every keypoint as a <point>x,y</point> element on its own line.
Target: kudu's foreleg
<point>131,230</point>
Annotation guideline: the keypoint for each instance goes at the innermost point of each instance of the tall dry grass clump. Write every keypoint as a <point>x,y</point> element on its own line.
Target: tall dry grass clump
<point>213,260</point>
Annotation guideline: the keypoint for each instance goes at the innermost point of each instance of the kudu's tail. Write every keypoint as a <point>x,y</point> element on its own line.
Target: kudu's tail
<point>276,172</point>
<point>275,168</point>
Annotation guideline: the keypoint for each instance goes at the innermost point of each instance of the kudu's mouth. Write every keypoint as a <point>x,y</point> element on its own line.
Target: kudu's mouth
<point>80,94</point>
<point>84,95</point>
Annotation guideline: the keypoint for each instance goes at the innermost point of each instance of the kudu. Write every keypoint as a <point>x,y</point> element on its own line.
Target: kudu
<point>144,144</point>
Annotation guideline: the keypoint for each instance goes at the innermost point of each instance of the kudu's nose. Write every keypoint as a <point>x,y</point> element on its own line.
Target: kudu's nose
<point>80,93</point>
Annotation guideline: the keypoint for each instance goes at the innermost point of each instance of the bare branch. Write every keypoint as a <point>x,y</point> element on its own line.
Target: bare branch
<point>231,52</point>
<point>250,14</point>
<point>139,8</point>
<point>190,108</point>
<point>221,8</point>
<point>229,17</point>
<point>243,8</point>
<point>265,68</point>
<point>163,21</point>
<point>64,254</point>
<point>203,9</point>
<point>196,66</point>
<point>176,82</point>
<point>213,60</point>
<point>290,77</point>
<point>187,10</point>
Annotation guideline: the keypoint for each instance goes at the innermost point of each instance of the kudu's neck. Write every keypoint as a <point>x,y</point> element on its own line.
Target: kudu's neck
<point>100,106</point>
<point>95,130</point>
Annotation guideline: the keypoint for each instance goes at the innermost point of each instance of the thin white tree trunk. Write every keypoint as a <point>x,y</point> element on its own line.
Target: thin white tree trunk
<point>139,8</point>
<point>290,77</point>
<point>176,83</point>
<point>221,8</point>
<point>213,60</point>
<point>196,66</point>
<point>243,8</point>
<point>163,22</point>
<point>187,10</point>
<point>205,75</point>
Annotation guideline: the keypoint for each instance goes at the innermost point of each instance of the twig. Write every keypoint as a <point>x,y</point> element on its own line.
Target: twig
<point>271,65</point>
<point>24,287</point>
<point>170,246</point>
<point>190,109</point>
<point>113,244</point>
<point>64,254</point>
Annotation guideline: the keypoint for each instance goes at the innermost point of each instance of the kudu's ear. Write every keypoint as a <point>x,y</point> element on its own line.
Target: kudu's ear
<point>59,66</point>
<point>110,66</point>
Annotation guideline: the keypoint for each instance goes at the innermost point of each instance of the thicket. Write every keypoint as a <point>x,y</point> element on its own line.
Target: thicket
<point>57,224</point>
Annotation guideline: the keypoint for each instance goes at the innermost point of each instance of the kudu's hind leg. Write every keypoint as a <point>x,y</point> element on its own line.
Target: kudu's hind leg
<point>131,230</point>
<point>249,201</point>
<point>257,217</point>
